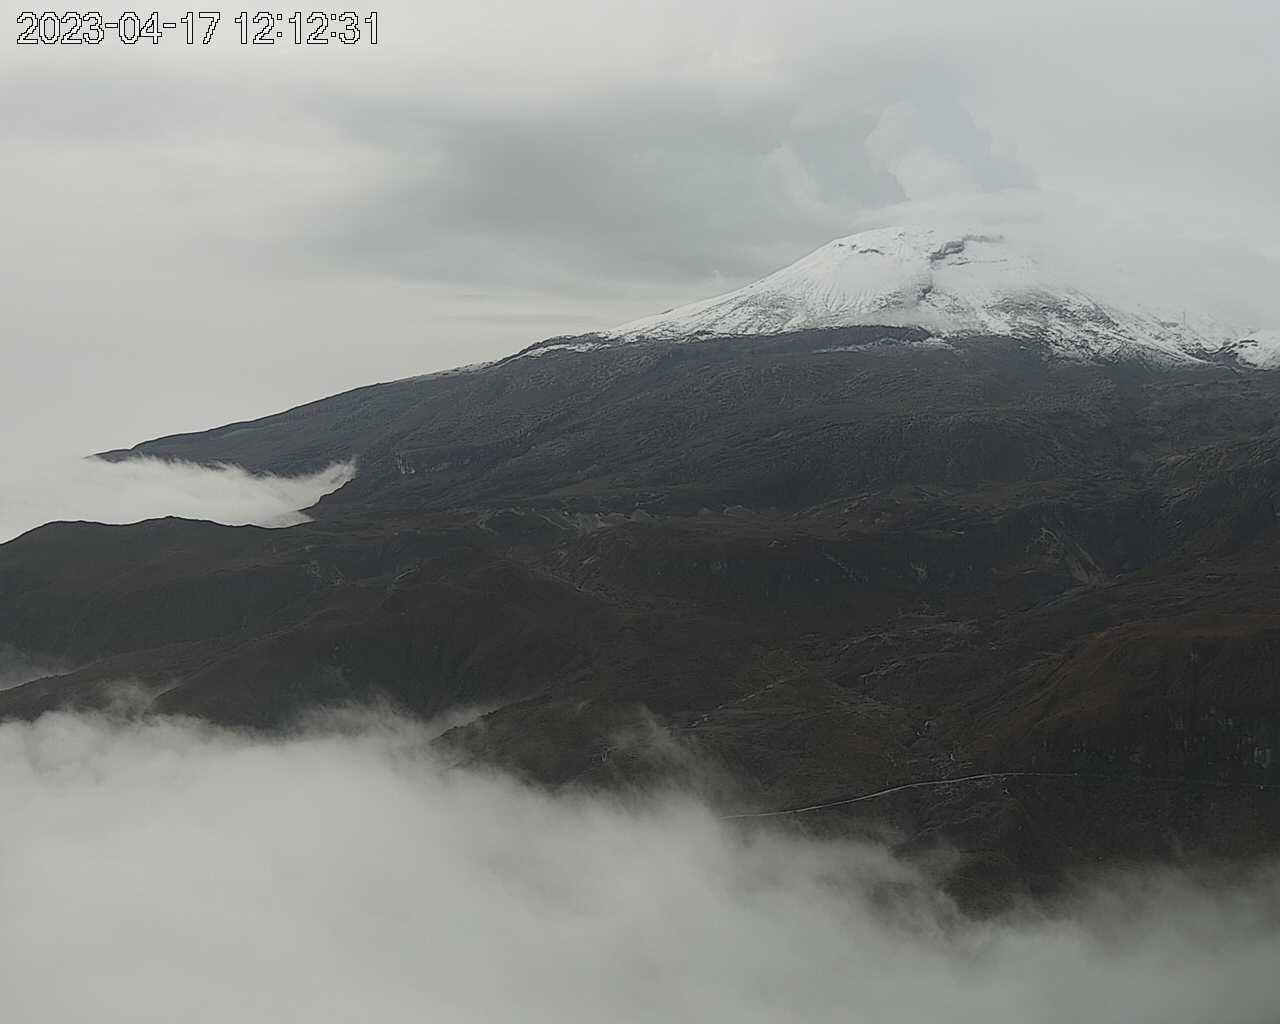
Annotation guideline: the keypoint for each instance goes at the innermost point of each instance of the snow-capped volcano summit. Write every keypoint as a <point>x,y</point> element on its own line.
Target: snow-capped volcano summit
<point>951,283</point>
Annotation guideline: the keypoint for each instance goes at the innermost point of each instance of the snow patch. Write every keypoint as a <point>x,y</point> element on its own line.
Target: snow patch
<point>576,346</point>
<point>953,283</point>
<point>1261,350</point>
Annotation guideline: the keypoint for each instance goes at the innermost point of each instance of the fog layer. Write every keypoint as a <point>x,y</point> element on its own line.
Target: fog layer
<point>128,492</point>
<point>166,871</point>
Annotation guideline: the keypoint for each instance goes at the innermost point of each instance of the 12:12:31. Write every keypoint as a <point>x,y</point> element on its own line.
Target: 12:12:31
<point>313,27</point>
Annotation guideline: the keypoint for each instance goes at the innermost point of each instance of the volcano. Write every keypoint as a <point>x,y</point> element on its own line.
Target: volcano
<point>909,510</point>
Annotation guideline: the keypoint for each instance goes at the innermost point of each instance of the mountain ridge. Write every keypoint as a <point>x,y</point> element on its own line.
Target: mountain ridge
<point>822,562</point>
<point>955,284</point>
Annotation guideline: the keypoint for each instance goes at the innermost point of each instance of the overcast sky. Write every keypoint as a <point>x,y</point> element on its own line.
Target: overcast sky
<point>196,235</point>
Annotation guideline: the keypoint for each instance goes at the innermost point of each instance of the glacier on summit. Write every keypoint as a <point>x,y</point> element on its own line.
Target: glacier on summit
<point>1260,349</point>
<point>952,284</point>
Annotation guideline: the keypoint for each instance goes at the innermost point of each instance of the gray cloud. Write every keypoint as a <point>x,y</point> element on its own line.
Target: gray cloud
<point>936,150</point>
<point>659,185</point>
<point>162,871</point>
<point>132,106</point>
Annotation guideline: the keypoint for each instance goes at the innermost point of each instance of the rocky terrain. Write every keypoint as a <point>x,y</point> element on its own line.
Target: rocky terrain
<point>783,569</point>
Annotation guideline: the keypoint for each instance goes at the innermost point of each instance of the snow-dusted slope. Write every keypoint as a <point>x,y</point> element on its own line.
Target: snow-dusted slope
<point>1261,350</point>
<point>952,283</point>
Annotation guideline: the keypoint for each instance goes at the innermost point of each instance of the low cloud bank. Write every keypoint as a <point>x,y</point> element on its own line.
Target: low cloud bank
<point>128,492</point>
<point>168,871</point>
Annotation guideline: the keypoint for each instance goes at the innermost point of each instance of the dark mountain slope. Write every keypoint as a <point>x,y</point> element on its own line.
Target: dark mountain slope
<point>808,573</point>
<point>784,422</point>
